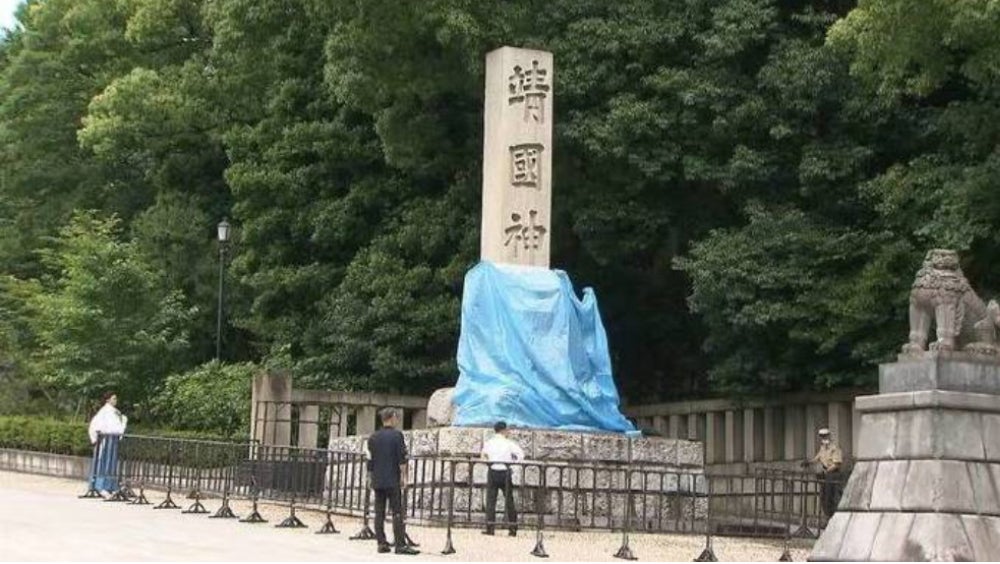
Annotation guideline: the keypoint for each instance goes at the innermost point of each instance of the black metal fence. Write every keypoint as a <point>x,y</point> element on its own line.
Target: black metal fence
<point>451,492</point>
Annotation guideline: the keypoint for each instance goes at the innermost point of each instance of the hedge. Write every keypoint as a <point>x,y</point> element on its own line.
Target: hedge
<point>43,434</point>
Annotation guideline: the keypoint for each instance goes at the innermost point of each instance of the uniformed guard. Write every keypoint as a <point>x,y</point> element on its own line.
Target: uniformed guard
<point>830,460</point>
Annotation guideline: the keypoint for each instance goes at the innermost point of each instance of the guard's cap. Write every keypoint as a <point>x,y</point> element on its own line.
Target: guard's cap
<point>823,432</point>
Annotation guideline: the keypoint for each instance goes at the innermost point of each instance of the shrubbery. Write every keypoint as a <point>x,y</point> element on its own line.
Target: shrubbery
<point>44,435</point>
<point>211,398</point>
<point>70,437</point>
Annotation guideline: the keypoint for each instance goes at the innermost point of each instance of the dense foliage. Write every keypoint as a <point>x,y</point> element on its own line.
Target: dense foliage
<point>213,397</point>
<point>749,185</point>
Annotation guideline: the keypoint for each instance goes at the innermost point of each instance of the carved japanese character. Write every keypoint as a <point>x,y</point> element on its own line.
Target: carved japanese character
<point>527,235</point>
<point>525,165</point>
<point>529,87</point>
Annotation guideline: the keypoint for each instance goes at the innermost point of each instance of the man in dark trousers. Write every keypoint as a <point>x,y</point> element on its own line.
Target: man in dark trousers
<point>500,451</point>
<point>387,475</point>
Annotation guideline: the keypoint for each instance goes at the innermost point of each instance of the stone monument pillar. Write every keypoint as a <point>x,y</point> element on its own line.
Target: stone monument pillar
<point>926,482</point>
<point>517,157</point>
<point>517,172</point>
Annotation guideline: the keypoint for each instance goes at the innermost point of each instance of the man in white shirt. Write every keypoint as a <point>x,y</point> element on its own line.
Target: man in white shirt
<point>500,452</point>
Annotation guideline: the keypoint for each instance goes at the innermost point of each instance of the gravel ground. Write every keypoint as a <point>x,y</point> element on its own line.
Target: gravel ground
<point>41,519</point>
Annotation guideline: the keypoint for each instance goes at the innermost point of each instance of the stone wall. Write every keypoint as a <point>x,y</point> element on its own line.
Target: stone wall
<point>58,465</point>
<point>546,445</point>
<point>282,415</point>
<point>739,436</point>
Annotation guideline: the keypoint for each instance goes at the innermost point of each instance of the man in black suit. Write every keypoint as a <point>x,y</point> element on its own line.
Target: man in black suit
<point>387,475</point>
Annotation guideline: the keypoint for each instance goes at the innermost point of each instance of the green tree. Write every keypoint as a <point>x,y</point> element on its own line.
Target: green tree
<point>106,320</point>
<point>940,62</point>
<point>67,51</point>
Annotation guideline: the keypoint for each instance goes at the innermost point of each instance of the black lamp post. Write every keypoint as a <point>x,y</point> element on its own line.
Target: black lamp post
<point>223,230</point>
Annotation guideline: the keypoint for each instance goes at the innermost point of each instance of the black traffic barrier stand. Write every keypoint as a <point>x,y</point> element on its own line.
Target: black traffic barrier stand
<point>254,516</point>
<point>625,551</point>
<point>804,532</point>
<point>328,527</point>
<point>92,491</point>
<point>291,522</point>
<point>295,482</point>
<point>366,533</point>
<point>141,498</point>
<point>168,503</point>
<point>539,550</point>
<point>195,494</point>
<point>225,511</point>
<point>707,555</point>
<point>123,494</point>
<point>786,554</point>
<point>196,507</point>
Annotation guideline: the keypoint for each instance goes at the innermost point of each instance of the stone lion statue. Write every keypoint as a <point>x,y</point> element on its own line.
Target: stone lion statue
<point>961,318</point>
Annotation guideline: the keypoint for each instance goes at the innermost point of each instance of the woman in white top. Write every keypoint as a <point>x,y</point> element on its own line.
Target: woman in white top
<point>106,429</point>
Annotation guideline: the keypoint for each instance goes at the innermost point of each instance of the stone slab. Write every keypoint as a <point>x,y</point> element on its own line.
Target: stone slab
<point>606,448</point>
<point>690,454</point>
<point>891,528</point>
<point>915,434</point>
<point>938,537</point>
<point>859,537</point>
<point>460,441</point>
<point>938,485</point>
<point>887,488</point>
<point>827,548</point>
<point>877,438</point>
<point>928,399</point>
<point>558,445</point>
<point>991,434</point>
<point>858,492</point>
<point>960,434</point>
<point>984,536</point>
<point>987,499</point>
<point>944,425</point>
<point>662,451</point>
<point>937,371</point>
<point>422,442</point>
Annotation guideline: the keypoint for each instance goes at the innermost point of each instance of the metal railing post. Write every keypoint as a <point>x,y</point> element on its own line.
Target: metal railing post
<point>707,555</point>
<point>625,552</point>
<point>539,550</point>
<point>449,548</point>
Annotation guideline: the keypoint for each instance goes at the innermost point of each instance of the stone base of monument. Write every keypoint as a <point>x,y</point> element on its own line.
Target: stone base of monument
<point>926,484</point>
<point>579,475</point>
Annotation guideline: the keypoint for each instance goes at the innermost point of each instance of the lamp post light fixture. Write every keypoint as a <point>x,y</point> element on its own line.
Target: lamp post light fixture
<point>223,235</point>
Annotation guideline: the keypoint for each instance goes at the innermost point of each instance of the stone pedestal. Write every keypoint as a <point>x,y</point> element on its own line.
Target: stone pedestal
<point>926,483</point>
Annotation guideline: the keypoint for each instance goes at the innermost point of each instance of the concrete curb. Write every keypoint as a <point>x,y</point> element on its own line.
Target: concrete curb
<point>48,464</point>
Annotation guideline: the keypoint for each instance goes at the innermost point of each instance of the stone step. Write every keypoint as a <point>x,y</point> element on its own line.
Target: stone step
<point>901,536</point>
<point>923,485</point>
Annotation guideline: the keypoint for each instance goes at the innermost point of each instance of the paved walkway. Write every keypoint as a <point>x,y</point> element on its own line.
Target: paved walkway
<point>42,519</point>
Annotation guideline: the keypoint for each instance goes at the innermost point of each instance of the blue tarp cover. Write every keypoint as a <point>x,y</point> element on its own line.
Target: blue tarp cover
<point>532,354</point>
